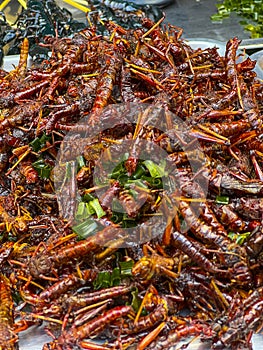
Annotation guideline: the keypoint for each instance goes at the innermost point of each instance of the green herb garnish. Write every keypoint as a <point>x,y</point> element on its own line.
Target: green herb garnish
<point>42,168</point>
<point>126,268</point>
<point>222,200</point>
<point>85,229</point>
<point>106,279</point>
<point>239,238</point>
<point>250,10</point>
<point>39,143</point>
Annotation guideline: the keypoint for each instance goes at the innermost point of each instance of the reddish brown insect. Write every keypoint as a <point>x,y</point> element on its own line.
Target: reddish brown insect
<point>43,262</point>
<point>179,333</point>
<point>106,82</point>
<point>67,283</point>
<point>91,298</point>
<point>107,197</point>
<point>158,315</point>
<point>29,172</point>
<point>241,321</point>
<point>8,338</point>
<point>94,327</point>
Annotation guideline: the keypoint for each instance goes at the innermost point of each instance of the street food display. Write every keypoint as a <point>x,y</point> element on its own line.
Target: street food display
<point>154,245</point>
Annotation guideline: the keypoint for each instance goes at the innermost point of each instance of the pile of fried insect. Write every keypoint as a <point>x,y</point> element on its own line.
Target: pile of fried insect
<point>80,278</point>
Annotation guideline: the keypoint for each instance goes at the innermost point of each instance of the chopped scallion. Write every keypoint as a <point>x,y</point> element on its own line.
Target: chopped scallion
<point>139,171</point>
<point>116,218</point>
<point>123,178</point>
<point>103,280</point>
<point>155,169</point>
<point>115,277</point>
<point>127,222</point>
<point>80,162</point>
<point>154,182</point>
<point>82,211</point>
<point>251,10</point>
<point>39,143</point>
<point>239,238</point>
<point>136,301</point>
<point>88,197</point>
<point>95,204</point>
<point>118,171</point>
<point>85,229</point>
<point>126,268</point>
<point>42,168</point>
<point>36,144</point>
<point>222,200</point>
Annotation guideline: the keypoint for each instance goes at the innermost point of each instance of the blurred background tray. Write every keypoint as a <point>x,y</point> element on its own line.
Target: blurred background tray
<point>258,56</point>
<point>193,16</point>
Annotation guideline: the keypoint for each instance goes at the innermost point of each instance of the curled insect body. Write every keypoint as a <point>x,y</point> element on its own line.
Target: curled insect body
<point>230,55</point>
<point>214,233</point>
<point>208,215</point>
<point>130,205</point>
<point>5,251</point>
<point>199,228</point>
<point>254,243</point>
<point>227,129</point>
<point>83,68</point>
<point>20,70</point>
<point>201,292</point>
<point>229,218</point>
<point>4,154</point>
<point>158,315</point>
<point>128,95</point>
<point>245,65</point>
<point>246,101</point>
<point>14,221</point>
<point>72,55</point>
<point>250,208</point>
<point>251,186</point>
<point>183,157</point>
<point>29,172</point>
<point>30,91</point>
<point>70,110</point>
<point>159,45</point>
